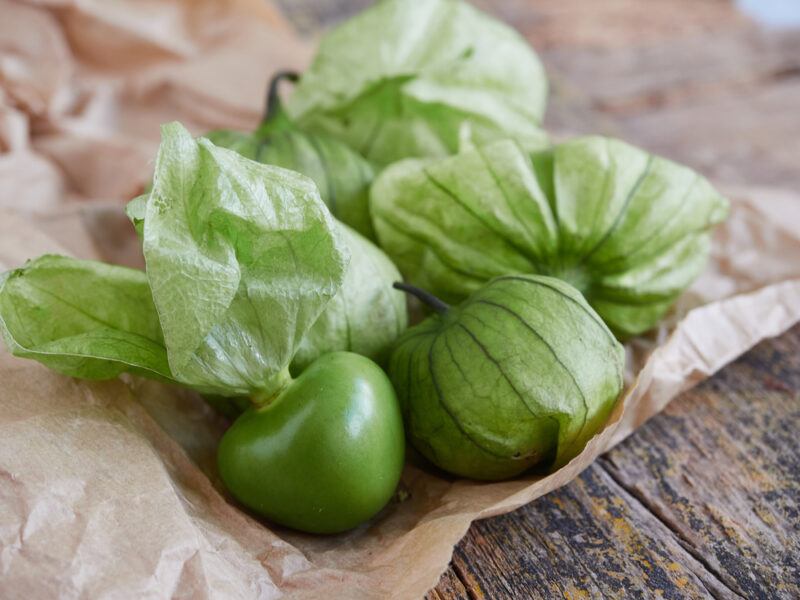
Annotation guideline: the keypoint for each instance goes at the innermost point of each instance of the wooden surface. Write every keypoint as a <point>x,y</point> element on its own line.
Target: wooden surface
<point>704,500</point>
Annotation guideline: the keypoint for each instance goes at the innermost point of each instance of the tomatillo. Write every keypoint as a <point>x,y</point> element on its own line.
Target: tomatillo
<point>325,453</point>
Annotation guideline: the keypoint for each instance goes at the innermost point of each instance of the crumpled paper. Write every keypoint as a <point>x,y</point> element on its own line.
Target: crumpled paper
<point>109,489</point>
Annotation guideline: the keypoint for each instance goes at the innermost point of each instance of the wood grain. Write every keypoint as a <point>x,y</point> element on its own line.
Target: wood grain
<point>311,16</point>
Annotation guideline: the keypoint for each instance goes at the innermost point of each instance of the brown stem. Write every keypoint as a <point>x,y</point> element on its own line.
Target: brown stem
<point>426,297</point>
<point>273,100</point>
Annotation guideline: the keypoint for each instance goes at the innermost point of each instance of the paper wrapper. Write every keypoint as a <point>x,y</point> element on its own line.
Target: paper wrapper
<point>109,489</point>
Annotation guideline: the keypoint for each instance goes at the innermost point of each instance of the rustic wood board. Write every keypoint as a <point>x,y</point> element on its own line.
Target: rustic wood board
<point>704,500</point>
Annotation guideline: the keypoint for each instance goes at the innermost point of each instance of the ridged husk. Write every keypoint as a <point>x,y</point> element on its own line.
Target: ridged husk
<point>521,373</point>
<point>628,229</point>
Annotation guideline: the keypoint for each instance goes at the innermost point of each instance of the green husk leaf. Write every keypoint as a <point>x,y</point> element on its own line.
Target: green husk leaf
<point>365,316</point>
<point>629,230</point>
<point>342,176</point>
<point>82,318</point>
<point>241,258</point>
<point>404,79</point>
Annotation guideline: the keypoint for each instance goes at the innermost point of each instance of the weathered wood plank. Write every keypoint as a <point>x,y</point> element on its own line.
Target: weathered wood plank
<point>591,540</point>
<point>722,470</point>
<point>718,93</point>
<point>450,587</point>
<point>613,23</point>
<point>675,71</point>
<point>704,500</point>
<point>752,137</point>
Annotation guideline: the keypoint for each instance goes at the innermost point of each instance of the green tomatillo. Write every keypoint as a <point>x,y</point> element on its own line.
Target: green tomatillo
<point>325,453</point>
<point>522,373</point>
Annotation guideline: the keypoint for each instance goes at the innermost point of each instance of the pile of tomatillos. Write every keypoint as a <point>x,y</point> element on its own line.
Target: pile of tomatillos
<point>411,149</point>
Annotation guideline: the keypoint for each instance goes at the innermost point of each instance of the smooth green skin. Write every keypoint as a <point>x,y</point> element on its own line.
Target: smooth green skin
<point>326,454</point>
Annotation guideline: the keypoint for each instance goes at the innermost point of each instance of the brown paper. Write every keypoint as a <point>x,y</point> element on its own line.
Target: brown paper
<point>110,489</point>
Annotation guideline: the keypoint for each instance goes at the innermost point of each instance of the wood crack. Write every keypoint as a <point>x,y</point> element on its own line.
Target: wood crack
<point>634,496</point>
<point>463,579</point>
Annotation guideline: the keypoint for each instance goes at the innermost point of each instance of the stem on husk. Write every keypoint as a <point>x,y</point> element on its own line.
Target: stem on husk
<point>426,297</point>
<point>272,389</point>
<point>273,106</point>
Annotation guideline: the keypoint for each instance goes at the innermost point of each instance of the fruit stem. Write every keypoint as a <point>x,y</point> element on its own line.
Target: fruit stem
<point>273,99</point>
<point>272,389</point>
<point>426,297</point>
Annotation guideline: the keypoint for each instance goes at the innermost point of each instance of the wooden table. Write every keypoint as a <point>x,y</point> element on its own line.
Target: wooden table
<point>704,500</point>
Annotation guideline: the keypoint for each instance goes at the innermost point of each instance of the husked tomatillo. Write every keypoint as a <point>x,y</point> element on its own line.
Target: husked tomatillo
<point>522,373</point>
<point>628,229</point>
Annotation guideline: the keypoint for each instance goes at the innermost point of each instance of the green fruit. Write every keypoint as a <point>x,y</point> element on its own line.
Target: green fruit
<point>325,454</point>
<point>523,372</point>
